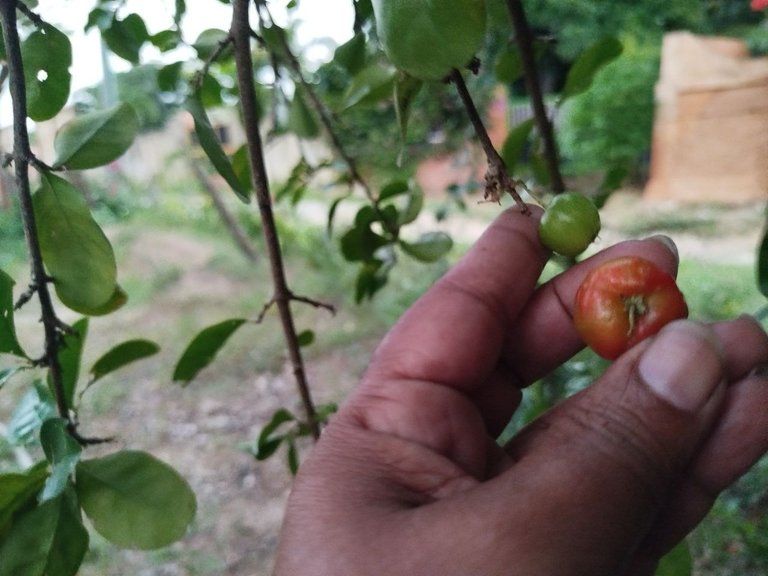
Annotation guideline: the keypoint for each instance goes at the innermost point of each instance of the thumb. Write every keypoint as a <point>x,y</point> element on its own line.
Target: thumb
<point>623,443</point>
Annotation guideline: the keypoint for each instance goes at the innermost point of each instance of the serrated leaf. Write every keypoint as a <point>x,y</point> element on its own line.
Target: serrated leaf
<point>351,55</point>
<point>301,119</point>
<point>76,252</point>
<point>122,355</point>
<point>371,84</point>
<point>34,408</point>
<point>47,56</point>
<point>18,490</point>
<point>49,540</point>
<point>126,37</point>
<point>514,143</point>
<point>97,138</point>
<point>762,265</point>
<point>430,246</point>
<point>212,148</point>
<point>9,343</point>
<point>677,562</point>
<point>588,64</point>
<point>70,357</point>
<point>63,452</point>
<point>134,500</point>
<point>203,349</point>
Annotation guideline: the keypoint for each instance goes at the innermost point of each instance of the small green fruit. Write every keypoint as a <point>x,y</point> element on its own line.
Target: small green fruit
<point>429,38</point>
<point>569,224</point>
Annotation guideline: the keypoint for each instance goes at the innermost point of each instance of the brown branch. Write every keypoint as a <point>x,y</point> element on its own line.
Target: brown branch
<point>230,223</point>
<point>21,159</point>
<point>241,36</point>
<point>524,40</point>
<point>497,178</point>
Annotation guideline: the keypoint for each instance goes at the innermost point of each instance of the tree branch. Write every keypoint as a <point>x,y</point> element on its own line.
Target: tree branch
<point>524,40</point>
<point>241,35</point>
<point>497,178</point>
<point>22,155</point>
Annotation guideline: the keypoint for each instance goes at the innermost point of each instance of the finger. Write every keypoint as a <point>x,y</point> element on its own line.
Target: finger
<point>737,442</point>
<point>543,337</point>
<point>454,333</point>
<point>606,458</point>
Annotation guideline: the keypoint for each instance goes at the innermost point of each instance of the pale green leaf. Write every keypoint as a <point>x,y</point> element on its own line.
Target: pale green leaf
<point>430,246</point>
<point>677,562</point>
<point>588,64</point>
<point>76,252</point>
<point>134,500</point>
<point>9,343</point>
<point>122,355</point>
<point>63,452</point>
<point>97,138</point>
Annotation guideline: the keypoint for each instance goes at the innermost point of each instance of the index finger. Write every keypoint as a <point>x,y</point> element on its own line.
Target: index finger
<point>454,334</point>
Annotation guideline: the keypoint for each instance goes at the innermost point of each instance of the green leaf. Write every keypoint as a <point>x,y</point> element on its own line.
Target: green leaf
<point>117,301</point>
<point>166,40</point>
<point>508,67</point>
<point>34,408</point>
<point>370,85</point>
<point>306,338</point>
<point>17,490</point>
<point>9,343</point>
<point>762,265</point>
<point>212,148</point>
<point>70,358</point>
<point>169,77</point>
<point>412,208</point>
<point>241,164</point>
<point>47,56</point>
<point>301,120</point>
<point>134,500</point>
<point>63,452</point>
<point>360,243</point>
<point>96,139</point>
<point>393,188</point>
<point>126,37</point>
<point>406,90</point>
<point>677,562</point>
<point>371,278</point>
<point>267,442</point>
<point>515,142</point>
<point>588,64</point>
<point>76,252</point>
<point>430,246</point>
<point>292,456</point>
<point>208,42</point>
<point>351,55</point>
<point>122,355</point>
<point>49,540</point>
<point>203,349</point>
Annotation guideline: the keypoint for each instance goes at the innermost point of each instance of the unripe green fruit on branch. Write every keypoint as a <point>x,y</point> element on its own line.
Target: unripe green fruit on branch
<point>429,38</point>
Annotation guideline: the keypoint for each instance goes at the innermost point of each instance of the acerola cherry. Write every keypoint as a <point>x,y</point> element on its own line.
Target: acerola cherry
<point>570,223</point>
<point>624,301</point>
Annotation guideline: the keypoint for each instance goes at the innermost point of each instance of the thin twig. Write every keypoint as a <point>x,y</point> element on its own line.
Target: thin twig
<point>199,77</point>
<point>497,178</point>
<point>21,160</point>
<point>524,40</point>
<point>24,9</point>
<point>241,36</point>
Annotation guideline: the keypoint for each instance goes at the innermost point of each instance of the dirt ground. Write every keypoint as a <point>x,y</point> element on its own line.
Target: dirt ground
<point>199,429</point>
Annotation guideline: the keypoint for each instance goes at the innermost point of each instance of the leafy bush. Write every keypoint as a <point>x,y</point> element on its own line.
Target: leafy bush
<point>611,123</point>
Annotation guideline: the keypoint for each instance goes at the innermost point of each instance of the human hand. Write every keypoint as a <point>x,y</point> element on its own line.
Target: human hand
<point>407,478</point>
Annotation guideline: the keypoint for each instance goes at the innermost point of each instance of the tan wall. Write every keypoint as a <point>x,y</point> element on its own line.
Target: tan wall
<point>710,140</point>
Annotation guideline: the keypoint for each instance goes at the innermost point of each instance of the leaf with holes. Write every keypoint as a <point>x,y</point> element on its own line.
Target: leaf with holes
<point>9,343</point>
<point>47,56</point>
<point>203,349</point>
<point>134,500</point>
<point>96,139</point>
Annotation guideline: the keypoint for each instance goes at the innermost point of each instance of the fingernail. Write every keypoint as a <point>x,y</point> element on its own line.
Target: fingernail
<point>668,242</point>
<point>683,365</point>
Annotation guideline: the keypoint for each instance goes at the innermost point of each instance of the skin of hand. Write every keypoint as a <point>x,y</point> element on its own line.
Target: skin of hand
<point>407,478</point>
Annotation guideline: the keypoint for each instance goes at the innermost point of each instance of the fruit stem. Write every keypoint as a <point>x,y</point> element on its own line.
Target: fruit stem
<point>497,178</point>
<point>635,306</point>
